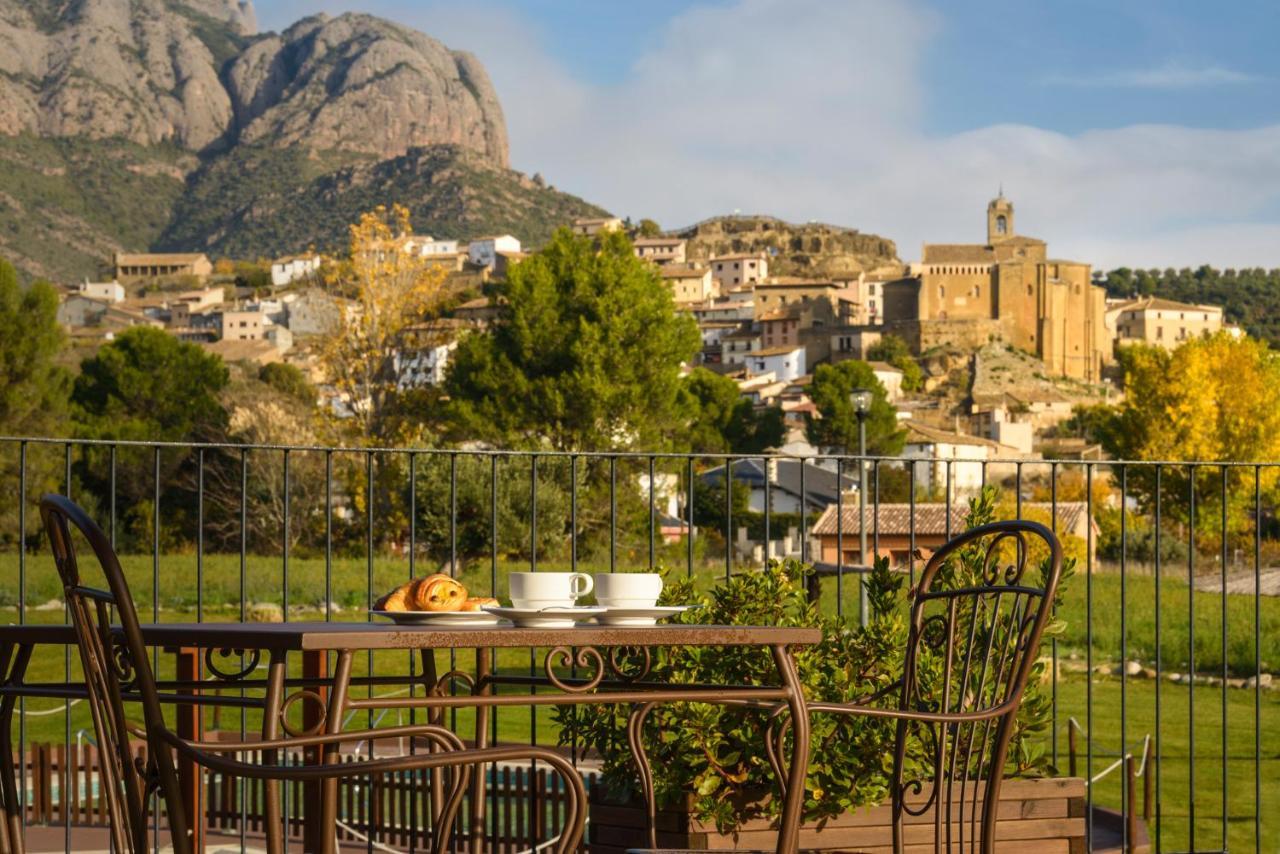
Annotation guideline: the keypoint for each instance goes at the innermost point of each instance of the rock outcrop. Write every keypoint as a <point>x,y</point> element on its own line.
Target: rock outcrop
<point>809,249</point>
<point>191,72</point>
<point>359,83</point>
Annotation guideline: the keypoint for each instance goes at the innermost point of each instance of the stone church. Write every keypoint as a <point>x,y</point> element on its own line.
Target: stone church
<point>1006,289</point>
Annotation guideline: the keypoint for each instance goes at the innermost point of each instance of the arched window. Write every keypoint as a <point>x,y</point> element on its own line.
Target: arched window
<point>1002,224</point>
<point>942,291</point>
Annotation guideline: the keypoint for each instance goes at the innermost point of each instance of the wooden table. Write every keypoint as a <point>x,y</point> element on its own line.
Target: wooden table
<point>605,678</point>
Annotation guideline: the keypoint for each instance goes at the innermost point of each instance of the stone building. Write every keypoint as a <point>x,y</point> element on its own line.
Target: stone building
<point>1162,322</point>
<point>133,267</point>
<point>1008,289</point>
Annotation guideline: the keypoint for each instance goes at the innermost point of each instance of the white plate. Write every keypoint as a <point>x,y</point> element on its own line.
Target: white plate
<point>545,618</point>
<point>639,616</point>
<point>439,618</point>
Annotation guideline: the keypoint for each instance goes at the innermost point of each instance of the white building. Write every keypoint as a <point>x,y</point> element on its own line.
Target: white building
<point>591,226</point>
<point>785,363</point>
<point>426,246</point>
<point>483,252</point>
<point>660,250</point>
<point>286,271</point>
<point>950,458</point>
<point>423,367</point>
<point>890,377</point>
<point>106,291</point>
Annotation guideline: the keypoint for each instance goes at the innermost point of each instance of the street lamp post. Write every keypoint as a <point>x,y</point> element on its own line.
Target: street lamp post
<point>861,399</point>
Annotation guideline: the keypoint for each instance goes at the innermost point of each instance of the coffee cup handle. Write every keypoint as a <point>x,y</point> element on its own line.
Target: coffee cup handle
<point>579,591</point>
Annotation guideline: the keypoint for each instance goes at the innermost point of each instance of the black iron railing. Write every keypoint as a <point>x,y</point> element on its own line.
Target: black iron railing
<point>1172,555</point>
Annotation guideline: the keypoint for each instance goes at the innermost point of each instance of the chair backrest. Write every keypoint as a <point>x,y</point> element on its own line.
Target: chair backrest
<point>115,663</point>
<point>978,612</point>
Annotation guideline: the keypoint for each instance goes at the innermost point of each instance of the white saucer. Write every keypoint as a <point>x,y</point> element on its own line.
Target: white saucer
<point>439,618</point>
<point>545,618</point>
<point>639,616</point>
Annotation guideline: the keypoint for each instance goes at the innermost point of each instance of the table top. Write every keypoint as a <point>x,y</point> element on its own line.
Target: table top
<point>332,636</point>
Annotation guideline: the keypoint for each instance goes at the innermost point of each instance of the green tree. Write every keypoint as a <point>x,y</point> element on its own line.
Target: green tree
<point>34,389</point>
<point>288,380</point>
<point>725,421</point>
<point>648,228</point>
<point>893,349</point>
<point>149,386</point>
<point>586,357</point>
<point>830,391</point>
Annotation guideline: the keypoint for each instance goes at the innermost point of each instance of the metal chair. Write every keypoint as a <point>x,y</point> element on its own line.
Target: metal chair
<point>977,617</point>
<point>116,670</point>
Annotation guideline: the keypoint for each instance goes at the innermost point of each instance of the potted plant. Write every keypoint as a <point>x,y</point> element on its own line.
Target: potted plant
<point>711,772</point>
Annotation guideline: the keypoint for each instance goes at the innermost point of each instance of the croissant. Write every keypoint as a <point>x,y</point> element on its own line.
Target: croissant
<point>438,592</point>
<point>400,599</point>
<point>476,603</point>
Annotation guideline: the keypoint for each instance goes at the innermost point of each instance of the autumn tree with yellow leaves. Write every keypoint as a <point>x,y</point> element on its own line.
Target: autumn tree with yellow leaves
<point>1214,400</point>
<point>390,292</point>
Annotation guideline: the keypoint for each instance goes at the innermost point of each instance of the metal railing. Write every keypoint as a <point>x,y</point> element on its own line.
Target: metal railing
<point>215,531</point>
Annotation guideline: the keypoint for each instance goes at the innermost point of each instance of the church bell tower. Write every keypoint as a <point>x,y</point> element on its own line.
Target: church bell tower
<point>999,219</point>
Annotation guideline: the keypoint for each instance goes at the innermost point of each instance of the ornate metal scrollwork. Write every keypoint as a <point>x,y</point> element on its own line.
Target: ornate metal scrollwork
<point>303,696</point>
<point>630,663</point>
<point>914,786</point>
<point>438,689</point>
<point>126,672</point>
<point>991,562</point>
<point>249,664</point>
<point>587,657</point>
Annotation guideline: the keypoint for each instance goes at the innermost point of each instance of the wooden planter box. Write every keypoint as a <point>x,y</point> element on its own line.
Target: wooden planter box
<point>1044,815</point>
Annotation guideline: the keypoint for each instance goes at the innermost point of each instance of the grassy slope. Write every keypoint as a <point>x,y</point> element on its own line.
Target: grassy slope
<point>260,201</point>
<point>67,204</point>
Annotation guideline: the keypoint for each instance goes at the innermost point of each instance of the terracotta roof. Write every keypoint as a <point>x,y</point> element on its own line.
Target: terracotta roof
<point>795,282</point>
<point>743,334</point>
<point>778,351</point>
<point>658,241</point>
<point>245,351</point>
<point>930,518</point>
<point>130,259</point>
<point>750,256</point>
<point>1162,304</point>
<point>681,271</point>
<point>957,253</point>
<point>923,434</point>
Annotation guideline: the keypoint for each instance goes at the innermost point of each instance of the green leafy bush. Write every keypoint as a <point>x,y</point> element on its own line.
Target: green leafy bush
<point>716,754</point>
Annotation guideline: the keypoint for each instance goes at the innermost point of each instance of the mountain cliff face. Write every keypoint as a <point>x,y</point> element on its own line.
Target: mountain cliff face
<point>137,124</point>
<point>362,84</point>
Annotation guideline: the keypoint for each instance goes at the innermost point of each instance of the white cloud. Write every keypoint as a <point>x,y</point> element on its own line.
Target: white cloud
<point>1171,76</point>
<point>815,110</point>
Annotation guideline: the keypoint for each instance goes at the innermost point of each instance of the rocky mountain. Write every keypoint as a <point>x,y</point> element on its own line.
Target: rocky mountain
<point>809,249</point>
<point>136,124</point>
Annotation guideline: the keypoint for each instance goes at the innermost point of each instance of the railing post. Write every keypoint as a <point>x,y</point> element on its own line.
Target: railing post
<point>1071,747</point>
<point>1149,767</point>
<point>1130,803</point>
<point>190,775</point>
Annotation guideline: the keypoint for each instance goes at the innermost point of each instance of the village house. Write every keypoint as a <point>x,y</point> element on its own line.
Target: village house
<point>591,226</point>
<point>864,294</point>
<point>889,377</point>
<point>1162,322</point>
<point>257,352</point>
<point>293,268</point>
<point>134,267</point>
<point>426,246</point>
<point>313,312</point>
<point>738,345</point>
<point>784,486</point>
<point>785,363</point>
<point>898,529</point>
<point>483,251</point>
<point>781,292</point>
<point>77,310</point>
<point>689,285</point>
<point>722,308</point>
<point>479,311</point>
<point>949,459</point>
<point>241,325</point>
<point>106,291</point>
<point>851,342</point>
<point>660,250</point>
<point>504,261</point>
<point>732,271</point>
<point>424,351</point>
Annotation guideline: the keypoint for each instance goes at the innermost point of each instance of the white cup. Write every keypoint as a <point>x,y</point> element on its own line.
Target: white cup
<point>628,589</point>
<point>538,590</point>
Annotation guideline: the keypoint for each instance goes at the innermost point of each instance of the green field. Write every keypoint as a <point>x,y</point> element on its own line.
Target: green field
<point>216,583</point>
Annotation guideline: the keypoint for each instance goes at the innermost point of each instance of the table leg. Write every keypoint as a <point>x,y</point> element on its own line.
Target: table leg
<point>315,665</point>
<point>276,672</point>
<point>484,666</point>
<point>190,775</point>
<point>327,826</point>
<point>793,804</point>
<point>11,818</point>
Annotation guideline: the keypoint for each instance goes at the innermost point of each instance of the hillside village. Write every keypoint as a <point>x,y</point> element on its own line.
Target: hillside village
<point>1008,340</point>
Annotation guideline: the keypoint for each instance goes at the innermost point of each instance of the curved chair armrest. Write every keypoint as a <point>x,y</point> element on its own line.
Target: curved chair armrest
<point>907,715</point>
<point>430,730</point>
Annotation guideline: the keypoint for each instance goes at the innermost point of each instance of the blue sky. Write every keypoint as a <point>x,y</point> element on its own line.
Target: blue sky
<point>1145,133</point>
